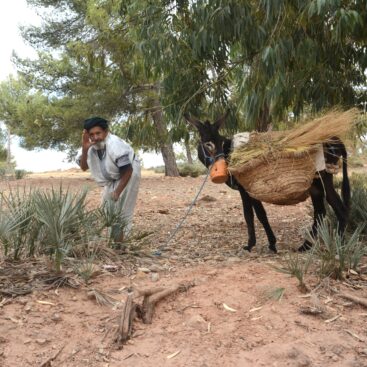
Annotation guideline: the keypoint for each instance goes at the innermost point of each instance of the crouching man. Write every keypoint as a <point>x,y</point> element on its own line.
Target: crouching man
<point>113,165</point>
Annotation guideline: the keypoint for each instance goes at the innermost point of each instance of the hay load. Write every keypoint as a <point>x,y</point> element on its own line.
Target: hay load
<point>278,167</point>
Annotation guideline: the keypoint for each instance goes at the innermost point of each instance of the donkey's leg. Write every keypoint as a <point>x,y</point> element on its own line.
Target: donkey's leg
<point>263,218</point>
<point>317,197</point>
<point>249,218</point>
<point>334,200</point>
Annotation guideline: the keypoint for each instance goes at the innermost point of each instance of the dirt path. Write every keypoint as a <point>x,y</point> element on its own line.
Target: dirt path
<point>241,312</point>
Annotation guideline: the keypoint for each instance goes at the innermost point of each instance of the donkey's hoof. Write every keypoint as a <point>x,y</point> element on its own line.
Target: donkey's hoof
<point>273,248</point>
<point>247,248</point>
<point>305,247</point>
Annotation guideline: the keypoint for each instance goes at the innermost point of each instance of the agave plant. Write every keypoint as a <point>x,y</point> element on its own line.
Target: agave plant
<point>18,227</point>
<point>297,265</point>
<point>335,252</point>
<point>61,215</point>
<point>110,215</point>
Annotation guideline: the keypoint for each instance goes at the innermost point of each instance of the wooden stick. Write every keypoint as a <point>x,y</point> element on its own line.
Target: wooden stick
<point>124,329</point>
<point>47,363</point>
<point>131,309</point>
<point>354,299</point>
<point>150,301</point>
<point>146,292</point>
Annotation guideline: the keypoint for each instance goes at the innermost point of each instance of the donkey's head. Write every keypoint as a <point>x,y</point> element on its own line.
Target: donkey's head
<point>212,148</point>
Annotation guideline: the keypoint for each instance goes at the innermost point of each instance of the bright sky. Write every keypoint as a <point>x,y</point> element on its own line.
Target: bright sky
<point>14,13</point>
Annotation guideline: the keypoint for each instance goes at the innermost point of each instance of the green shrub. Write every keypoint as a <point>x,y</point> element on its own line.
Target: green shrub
<point>160,169</point>
<point>54,223</point>
<point>358,203</point>
<point>356,161</point>
<point>192,170</point>
<point>20,173</point>
<point>335,253</point>
<point>18,227</point>
<point>297,265</point>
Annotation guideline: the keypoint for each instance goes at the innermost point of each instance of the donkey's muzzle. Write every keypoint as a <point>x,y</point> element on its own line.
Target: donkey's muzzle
<point>219,171</point>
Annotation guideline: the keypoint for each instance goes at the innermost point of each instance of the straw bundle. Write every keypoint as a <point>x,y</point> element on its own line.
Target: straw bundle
<point>278,167</point>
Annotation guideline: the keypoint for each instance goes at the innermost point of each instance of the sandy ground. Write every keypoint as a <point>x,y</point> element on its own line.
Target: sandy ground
<point>231,317</point>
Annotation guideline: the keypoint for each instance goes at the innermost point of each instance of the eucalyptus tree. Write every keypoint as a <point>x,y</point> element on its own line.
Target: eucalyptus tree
<point>88,63</point>
<point>265,57</point>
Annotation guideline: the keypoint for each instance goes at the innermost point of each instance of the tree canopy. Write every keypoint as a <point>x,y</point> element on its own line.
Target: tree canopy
<point>142,63</point>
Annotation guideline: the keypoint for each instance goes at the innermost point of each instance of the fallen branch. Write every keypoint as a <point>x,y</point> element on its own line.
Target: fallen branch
<point>48,363</point>
<point>354,299</point>
<point>124,329</point>
<point>145,311</point>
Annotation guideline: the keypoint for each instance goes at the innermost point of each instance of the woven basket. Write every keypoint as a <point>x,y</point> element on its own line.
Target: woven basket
<point>281,180</point>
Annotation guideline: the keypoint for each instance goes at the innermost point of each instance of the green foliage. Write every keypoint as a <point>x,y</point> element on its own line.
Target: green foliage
<point>358,209</point>
<point>60,216</point>
<point>336,253</point>
<point>358,203</point>
<point>297,265</point>
<point>110,217</point>
<point>142,63</point>
<point>20,173</point>
<point>356,162</point>
<point>18,227</point>
<point>192,170</point>
<point>55,222</point>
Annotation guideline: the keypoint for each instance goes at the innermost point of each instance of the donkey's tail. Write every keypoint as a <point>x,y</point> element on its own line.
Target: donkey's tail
<point>345,183</point>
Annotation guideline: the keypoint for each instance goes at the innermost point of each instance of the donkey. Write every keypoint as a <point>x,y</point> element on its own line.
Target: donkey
<point>213,147</point>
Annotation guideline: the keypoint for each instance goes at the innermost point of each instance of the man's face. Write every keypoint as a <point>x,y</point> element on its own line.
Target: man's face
<point>97,135</point>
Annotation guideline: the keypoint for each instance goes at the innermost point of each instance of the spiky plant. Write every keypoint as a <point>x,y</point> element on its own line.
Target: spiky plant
<point>297,265</point>
<point>337,253</point>
<point>18,227</point>
<point>111,216</point>
<point>60,213</point>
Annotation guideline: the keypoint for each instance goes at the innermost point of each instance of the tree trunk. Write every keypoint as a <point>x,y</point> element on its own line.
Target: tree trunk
<point>165,144</point>
<point>188,152</point>
<point>264,120</point>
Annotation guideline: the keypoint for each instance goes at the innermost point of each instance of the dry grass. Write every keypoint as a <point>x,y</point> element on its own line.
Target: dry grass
<point>299,141</point>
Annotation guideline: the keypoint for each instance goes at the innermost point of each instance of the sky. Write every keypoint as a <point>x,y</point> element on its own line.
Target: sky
<point>14,13</point>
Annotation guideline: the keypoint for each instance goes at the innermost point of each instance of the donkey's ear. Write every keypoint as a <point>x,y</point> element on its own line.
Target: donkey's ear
<point>220,122</point>
<point>193,120</point>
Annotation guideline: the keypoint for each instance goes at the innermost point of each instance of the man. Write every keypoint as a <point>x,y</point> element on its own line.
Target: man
<point>113,166</point>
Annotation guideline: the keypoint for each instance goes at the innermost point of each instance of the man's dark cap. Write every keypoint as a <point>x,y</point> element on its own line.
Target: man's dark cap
<point>95,121</point>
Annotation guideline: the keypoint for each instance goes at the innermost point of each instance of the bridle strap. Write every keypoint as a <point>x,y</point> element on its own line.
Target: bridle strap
<point>210,158</point>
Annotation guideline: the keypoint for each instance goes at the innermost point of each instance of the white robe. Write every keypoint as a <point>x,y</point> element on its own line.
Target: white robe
<point>106,173</point>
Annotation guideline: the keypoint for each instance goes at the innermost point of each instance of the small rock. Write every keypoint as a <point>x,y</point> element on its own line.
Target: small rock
<point>139,275</point>
<point>197,322</point>
<point>56,317</point>
<point>304,362</point>
<point>155,268</point>
<point>27,341</point>
<point>208,198</point>
<point>163,211</point>
<point>144,270</point>
<point>293,353</point>
<point>41,341</point>
<point>28,307</point>
<point>154,277</point>
<point>233,260</point>
<point>74,299</point>
<point>22,301</point>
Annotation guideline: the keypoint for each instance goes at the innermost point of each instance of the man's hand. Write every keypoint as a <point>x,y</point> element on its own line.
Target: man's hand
<point>86,143</point>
